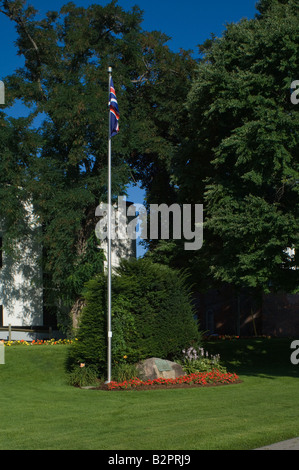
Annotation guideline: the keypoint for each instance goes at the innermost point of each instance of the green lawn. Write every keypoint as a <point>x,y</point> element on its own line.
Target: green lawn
<point>38,410</point>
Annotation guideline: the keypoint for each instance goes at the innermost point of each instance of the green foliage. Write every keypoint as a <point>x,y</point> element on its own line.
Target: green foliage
<point>87,264</point>
<point>240,157</point>
<point>124,371</point>
<point>160,305</point>
<point>263,6</point>
<point>62,165</point>
<point>16,148</point>
<point>83,376</point>
<point>152,316</point>
<point>90,345</point>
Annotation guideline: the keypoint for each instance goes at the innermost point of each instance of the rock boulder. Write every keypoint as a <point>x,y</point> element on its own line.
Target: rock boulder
<point>154,368</point>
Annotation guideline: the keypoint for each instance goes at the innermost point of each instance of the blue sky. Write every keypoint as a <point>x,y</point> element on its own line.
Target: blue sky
<point>186,23</point>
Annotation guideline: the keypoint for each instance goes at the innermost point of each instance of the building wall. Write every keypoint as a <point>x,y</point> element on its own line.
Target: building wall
<point>222,312</point>
<point>21,283</point>
<point>281,315</point>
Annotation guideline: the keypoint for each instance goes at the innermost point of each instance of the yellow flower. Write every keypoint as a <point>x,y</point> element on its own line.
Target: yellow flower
<point>125,357</point>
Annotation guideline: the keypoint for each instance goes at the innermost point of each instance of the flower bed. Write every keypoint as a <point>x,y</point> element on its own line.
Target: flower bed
<point>201,379</point>
<point>38,342</point>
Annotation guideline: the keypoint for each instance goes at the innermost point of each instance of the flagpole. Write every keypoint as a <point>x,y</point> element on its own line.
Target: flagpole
<point>109,332</point>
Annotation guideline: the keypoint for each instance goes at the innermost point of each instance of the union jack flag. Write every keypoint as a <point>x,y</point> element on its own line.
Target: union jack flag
<point>114,112</point>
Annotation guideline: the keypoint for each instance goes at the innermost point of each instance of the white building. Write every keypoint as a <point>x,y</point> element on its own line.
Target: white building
<point>21,289</point>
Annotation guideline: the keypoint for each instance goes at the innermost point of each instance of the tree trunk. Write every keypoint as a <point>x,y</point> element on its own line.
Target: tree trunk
<point>76,312</point>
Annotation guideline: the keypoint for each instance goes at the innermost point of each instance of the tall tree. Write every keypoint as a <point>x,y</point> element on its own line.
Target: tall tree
<point>64,84</point>
<point>241,155</point>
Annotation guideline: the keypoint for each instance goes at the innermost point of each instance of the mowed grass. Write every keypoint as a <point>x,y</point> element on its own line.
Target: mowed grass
<point>40,411</point>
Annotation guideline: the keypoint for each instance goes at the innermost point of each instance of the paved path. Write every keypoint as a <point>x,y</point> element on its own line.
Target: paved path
<point>290,444</point>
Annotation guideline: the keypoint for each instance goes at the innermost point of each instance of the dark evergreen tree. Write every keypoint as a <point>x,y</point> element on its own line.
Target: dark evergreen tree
<point>152,316</point>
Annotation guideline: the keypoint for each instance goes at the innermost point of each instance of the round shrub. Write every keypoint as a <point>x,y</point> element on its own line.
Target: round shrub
<point>152,316</point>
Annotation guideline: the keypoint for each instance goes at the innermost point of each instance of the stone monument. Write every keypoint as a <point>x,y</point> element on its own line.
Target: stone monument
<point>155,368</point>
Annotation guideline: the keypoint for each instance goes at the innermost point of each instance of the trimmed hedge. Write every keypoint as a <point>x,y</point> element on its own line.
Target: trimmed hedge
<point>152,316</point>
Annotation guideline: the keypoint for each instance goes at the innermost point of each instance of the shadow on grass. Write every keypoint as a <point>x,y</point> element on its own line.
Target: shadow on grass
<point>265,357</point>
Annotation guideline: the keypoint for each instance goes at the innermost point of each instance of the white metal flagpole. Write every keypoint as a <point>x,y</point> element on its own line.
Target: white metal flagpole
<point>109,332</point>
